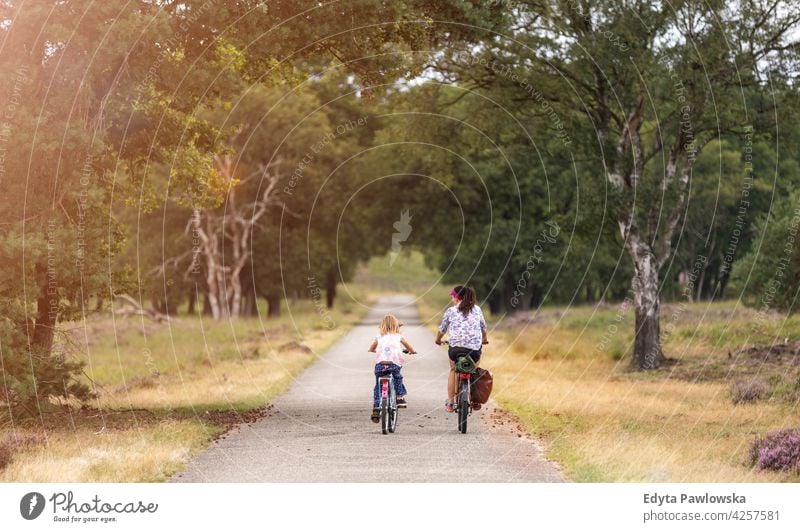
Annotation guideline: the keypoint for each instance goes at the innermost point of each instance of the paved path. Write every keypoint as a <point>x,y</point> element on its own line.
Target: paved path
<point>320,431</point>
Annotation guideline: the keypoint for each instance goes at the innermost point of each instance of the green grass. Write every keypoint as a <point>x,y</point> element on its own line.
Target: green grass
<point>408,273</point>
<point>165,390</point>
<point>129,351</point>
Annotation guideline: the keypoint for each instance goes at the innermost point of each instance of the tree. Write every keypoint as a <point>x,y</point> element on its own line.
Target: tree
<point>649,86</point>
<point>102,95</point>
<point>769,276</point>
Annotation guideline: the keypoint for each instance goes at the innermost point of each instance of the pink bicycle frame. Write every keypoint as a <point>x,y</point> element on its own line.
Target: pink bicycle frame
<point>384,387</point>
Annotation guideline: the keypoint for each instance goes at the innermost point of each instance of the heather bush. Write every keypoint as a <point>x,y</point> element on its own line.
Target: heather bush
<point>779,451</point>
<point>748,391</point>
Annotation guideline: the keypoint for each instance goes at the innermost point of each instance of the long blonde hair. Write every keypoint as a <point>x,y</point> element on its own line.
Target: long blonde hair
<point>389,325</point>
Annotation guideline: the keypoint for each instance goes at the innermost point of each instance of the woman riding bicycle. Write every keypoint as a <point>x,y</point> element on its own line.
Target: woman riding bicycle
<point>467,328</point>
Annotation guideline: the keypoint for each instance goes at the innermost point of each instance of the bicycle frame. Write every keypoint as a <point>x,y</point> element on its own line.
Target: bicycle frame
<point>463,406</point>
<point>386,385</point>
<point>388,404</point>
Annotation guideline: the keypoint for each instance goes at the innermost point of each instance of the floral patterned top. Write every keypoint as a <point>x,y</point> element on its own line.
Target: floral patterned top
<point>389,349</point>
<point>465,331</point>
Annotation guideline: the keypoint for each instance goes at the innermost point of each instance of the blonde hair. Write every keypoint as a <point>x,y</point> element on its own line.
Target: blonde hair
<point>389,325</point>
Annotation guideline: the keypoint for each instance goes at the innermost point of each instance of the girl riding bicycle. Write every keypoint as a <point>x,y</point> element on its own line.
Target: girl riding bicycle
<point>467,328</point>
<point>388,348</point>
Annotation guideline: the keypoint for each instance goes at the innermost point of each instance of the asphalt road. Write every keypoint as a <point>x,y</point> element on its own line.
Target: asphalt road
<point>320,431</point>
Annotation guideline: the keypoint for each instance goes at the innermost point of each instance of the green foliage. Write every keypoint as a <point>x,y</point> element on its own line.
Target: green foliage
<point>769,276</point>
<point>114,105</point>
<point>32,379</point>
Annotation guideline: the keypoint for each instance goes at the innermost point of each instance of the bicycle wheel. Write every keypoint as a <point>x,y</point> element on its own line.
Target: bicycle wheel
<point>384,415</point>
<point>463,406</point>
<point>392,411</point>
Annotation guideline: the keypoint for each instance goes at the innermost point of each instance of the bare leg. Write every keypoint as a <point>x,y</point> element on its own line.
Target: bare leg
<point>451,383</point>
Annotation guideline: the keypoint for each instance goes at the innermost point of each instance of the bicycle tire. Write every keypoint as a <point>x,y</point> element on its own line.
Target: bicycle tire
<point>384,416</point>
<point>463,406</point>
<point>392,411</point>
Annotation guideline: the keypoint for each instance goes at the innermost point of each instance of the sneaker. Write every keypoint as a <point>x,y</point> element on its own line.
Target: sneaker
<point>476,406</point>
<point>450,407</point>
<point>401,402</point>
<point>376,415</point>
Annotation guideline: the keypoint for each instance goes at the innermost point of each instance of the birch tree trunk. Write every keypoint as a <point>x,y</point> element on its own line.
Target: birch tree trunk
<point>230,230</point>
<point>647,352</point>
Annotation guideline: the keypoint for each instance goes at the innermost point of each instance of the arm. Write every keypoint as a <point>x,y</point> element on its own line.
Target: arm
<point>411,350</point>
<point>484,334</point>
<point>443,327</point>
<point>373,347</point>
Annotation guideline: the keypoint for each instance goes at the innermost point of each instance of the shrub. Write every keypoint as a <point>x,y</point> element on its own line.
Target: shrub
<point>779,451</point>
<point>748,391</point>
<point>31,380</point>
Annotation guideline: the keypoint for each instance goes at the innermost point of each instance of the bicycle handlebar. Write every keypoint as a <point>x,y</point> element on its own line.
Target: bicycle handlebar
<point>447,342</point>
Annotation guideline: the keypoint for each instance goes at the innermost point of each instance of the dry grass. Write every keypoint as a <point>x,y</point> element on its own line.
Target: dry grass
<point>165,392</point>
<point>604,422</point>
<point>140,452</point>
<point>565,373</point>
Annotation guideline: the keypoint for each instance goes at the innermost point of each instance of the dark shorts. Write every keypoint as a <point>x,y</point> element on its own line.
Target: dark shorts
<point>457,352</point>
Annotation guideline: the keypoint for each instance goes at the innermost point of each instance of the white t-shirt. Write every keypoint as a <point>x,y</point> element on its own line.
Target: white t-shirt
<point>389,349</point>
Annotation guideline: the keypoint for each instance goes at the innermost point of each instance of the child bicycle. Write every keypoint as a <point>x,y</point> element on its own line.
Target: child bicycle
<point>388,405</point>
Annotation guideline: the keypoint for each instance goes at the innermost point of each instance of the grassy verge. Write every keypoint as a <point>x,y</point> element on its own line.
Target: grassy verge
<point>165,391</point>
<point>565,373</point>
<point>405,272</point>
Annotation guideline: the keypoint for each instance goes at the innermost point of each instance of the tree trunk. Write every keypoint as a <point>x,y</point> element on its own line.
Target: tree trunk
<point>192,301</point>
<point>330,287</point>
<point>170,306</point>
<point>500,300</point>
<point>249,303</point>
<point>236,296</point>
<point>213,300</point>
<point>212,284</point>
<point>723,285</point>
<point>44,329</point>
<point>536,296</point>
<point>207,305</point>
<point>589,293</point>
<point>647,352</point>
<point>494,304</point>
<point>273,306</point>
<point>699,286</point>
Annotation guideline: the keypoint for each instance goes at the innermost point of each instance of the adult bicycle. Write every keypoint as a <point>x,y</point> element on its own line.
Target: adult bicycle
<point>464,370</point>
